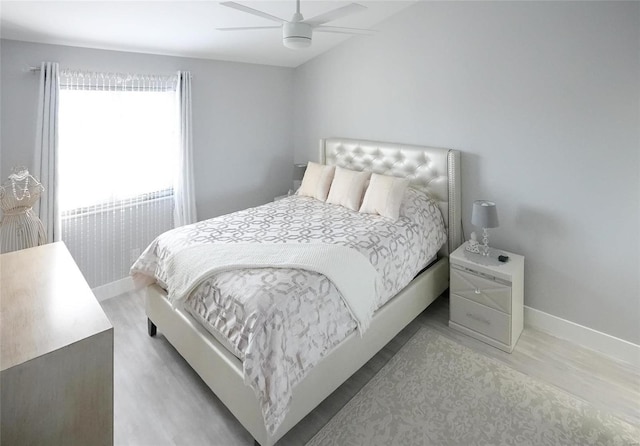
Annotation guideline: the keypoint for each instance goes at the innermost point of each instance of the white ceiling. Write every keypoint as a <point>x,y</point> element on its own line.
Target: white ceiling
<point>181,28</point>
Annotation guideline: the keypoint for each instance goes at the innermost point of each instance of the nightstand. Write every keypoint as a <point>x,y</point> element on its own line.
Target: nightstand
<point>486,297</point>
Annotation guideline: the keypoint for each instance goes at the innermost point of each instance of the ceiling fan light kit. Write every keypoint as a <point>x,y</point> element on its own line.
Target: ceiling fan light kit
<point>296,35</point>
<point>298,32</point>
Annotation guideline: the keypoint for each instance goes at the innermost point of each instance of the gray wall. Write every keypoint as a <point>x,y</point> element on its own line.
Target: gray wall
<point>241,118</point>
<point>544,101</point>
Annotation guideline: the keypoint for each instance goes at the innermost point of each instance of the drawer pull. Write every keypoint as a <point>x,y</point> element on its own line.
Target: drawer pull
<point>477,291</point>
<point>478,318</point>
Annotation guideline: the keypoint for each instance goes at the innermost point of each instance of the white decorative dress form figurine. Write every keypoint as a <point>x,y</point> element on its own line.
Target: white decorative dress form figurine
<point>20,227</point>
<point>473,245</point>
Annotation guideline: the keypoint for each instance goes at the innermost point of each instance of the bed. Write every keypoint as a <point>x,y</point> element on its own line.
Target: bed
<point>432,170</point>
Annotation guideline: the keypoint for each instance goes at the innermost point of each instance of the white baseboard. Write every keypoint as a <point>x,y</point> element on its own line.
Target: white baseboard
<point>587,337</point>
<point>113,289</point>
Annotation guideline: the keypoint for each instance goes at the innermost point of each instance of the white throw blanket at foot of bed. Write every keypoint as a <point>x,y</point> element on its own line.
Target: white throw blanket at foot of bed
<point>351,272</point>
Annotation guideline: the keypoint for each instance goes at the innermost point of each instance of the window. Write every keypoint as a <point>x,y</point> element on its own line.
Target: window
<point>118,148</point>
<point>115,146</point>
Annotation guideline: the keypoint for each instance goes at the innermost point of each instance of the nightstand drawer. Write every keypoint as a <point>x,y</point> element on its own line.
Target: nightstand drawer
<point>483,290</point>
<point>482,319</point>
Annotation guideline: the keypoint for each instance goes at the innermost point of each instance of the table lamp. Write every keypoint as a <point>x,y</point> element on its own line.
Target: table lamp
<point>298,175</point>
<point>484,215</point>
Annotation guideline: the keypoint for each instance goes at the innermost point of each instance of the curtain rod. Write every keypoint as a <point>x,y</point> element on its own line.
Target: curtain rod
<point>34,69</point>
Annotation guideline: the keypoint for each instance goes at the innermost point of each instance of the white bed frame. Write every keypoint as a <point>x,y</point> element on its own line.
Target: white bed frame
<point>432,169</point>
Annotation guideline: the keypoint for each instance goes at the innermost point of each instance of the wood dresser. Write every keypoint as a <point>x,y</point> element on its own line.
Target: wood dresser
<point>56,361</point>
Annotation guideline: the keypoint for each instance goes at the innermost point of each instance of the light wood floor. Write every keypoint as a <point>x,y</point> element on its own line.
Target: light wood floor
<point>160,400</point>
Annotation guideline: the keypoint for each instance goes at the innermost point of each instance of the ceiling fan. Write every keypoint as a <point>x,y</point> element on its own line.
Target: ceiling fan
<point>297,32</point>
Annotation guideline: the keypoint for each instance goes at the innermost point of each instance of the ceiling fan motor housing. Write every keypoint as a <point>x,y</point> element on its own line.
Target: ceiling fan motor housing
<point>296,34</point>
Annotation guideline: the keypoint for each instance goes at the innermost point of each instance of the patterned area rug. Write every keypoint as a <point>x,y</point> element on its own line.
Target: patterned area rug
<point>435,391</point>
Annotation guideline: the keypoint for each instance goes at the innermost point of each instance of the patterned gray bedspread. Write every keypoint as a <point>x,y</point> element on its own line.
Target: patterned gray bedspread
<point>281,322</point>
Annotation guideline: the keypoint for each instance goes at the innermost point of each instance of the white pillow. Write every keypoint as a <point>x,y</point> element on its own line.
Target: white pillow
<point>348,187</point>
<point>384,196</point>
<point>317,181</point>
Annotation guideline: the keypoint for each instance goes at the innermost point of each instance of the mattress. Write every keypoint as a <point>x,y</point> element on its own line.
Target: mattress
<point>280,322</point>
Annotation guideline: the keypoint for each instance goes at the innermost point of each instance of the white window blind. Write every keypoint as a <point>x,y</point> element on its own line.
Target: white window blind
<point>118,148</point>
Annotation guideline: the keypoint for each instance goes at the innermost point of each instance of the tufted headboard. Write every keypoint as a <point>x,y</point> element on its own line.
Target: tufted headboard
<point>434,170</point>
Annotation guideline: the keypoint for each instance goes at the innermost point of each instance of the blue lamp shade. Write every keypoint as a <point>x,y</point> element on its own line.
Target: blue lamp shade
<point>484,214</point>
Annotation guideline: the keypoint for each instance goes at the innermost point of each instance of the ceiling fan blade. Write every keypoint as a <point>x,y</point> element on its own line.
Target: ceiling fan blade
<point>341,30</point>
<point>248,28</point>
<point>335,14</point>
<point>246,9</point>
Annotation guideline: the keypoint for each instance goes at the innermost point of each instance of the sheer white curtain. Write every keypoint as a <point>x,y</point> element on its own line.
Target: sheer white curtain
<point>46,149</point>
<point>183,189</point>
